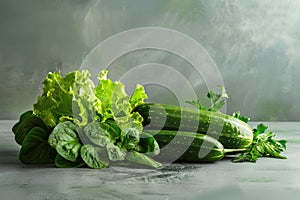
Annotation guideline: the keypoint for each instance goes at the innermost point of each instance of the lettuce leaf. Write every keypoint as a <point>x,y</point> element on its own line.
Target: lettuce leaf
<point>66,98</point>
<point>112,102</point>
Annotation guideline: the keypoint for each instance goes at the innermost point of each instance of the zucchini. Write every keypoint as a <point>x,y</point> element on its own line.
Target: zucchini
<point>183,146</point>
<point>231,132</point>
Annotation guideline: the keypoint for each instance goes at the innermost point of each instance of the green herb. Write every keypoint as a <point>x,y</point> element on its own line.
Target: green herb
<point>197,104</point>
<point>263,145</point>
<point>240,117</point>
<point>217,101</point>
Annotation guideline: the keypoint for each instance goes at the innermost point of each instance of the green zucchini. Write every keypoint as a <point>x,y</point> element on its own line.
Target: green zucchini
<point>183,146</point>
<point>231,132</point>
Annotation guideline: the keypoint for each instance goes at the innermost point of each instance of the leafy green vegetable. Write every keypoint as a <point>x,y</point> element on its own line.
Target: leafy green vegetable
<point>69,149</point>
<point>65,140</point>
<point>23,116</point>
<point>63,163</point>
<point>66,98</point>
<point>138,96</point>
<point>94,157</point>
<point>96,134</point>
<point>148,145</point>
<point>111,129</point>
<point>240,117</point>
<point>35,148</point>
<point>130,138</point>
<point>217,101</point>
<point>71,112</point>
<point>263,145</point>
<point>113,103</point>
<point>142,159</point>
<point>26,125</point>
<point>115,153</point>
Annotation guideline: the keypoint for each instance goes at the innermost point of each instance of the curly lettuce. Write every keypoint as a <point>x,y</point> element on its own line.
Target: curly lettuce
<point>66,98</point>
<point>112,102</point>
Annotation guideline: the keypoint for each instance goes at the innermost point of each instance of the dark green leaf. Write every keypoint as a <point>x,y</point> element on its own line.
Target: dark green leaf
<point>131,138</point>
<point>35,148</point>
<point>217,101</point>
<point>148,144</point>
<point>240,117</point>
<point>26,125</point>
<point>63,163</point>
<point>113,131</point>
<point>24,116</point>
<point>261,128</point>
<point>263,145</point>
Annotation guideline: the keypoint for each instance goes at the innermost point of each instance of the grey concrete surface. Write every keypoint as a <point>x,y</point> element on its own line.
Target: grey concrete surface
<point>266,179</point>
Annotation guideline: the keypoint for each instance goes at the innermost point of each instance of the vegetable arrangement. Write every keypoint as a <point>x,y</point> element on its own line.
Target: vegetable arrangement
<point>74,124</point>
<point>77,124</point>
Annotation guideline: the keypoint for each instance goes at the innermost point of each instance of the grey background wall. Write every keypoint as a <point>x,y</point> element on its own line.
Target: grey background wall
<point>254,43</point>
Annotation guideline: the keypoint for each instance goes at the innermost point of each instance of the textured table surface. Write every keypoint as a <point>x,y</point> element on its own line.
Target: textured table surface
<point>277,179</point>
